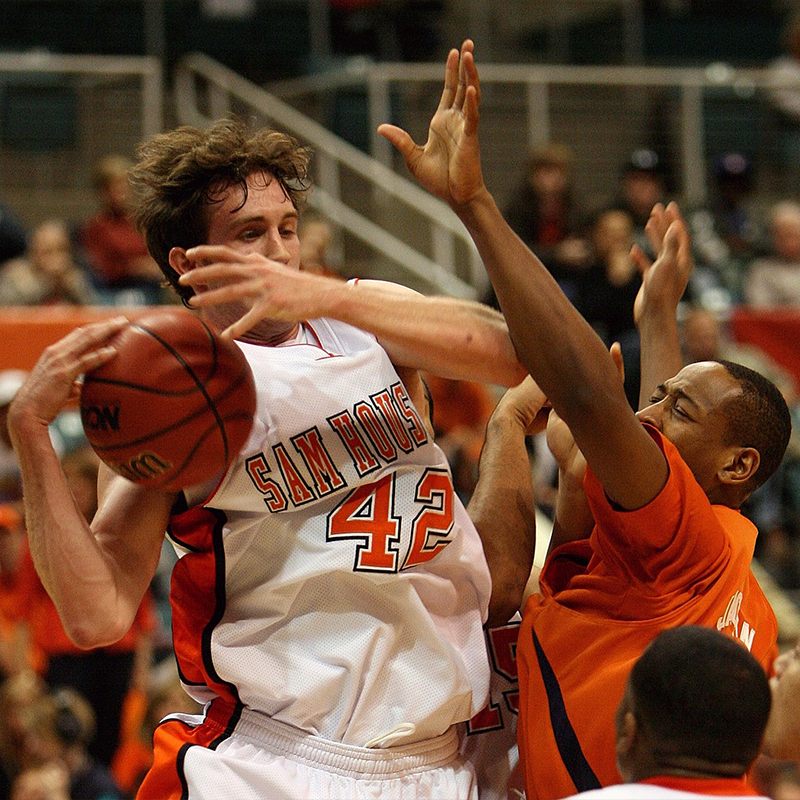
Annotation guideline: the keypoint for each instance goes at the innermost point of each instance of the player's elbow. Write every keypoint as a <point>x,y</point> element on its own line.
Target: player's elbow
<point>88,633</point>
<point>508,590</point>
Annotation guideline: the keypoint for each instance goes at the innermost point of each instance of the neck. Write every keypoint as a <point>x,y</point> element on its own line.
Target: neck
<point>268,336</point>
<point>686,767</point>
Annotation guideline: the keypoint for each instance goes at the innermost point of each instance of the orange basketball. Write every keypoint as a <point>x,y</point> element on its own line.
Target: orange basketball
<point>175,404</point>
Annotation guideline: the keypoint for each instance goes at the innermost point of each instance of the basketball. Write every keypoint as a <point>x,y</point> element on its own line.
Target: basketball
<point>174,406</point>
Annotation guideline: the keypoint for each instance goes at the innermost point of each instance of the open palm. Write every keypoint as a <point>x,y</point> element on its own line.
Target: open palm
<point>448,165</point>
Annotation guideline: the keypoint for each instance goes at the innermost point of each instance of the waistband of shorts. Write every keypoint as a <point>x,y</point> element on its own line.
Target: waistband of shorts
<point>286,740</point>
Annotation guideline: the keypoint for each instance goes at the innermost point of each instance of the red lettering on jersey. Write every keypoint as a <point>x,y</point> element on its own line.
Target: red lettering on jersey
<point>299,491</point>
<point>409,412</point>
<point>326,477</point>
<point>503,651</point>
<point>488,718</point>
<point>384,402</point>
<point>367,513</point>
<point>375,432</point>
<point>363,459</point>
<point>258,469</point>
<point>430,532</point>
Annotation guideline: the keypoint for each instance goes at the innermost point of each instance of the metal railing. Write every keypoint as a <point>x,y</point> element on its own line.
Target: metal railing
<point>97,68</point>
<point>544,114</point>
<point>206,90</point>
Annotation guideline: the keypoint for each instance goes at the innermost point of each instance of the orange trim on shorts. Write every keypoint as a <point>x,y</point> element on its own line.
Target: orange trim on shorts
<point>172,740</point>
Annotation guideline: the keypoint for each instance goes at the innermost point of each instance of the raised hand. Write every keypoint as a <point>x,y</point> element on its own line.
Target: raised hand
<point>664,280</point>
<point>448,165</point>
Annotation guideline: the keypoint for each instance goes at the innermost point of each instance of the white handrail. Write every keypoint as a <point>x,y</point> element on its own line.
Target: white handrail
<point>335,152</point>
<point>538,80</point>
<point>145,67</point>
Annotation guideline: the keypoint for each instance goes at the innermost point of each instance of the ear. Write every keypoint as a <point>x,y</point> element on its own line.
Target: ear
<point>627,738</point>
<point>740,465</point>
<point>178,260</point>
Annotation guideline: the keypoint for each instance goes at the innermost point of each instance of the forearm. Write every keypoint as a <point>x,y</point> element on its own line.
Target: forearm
<point>661,356</point>
<point>77,574</point>
<point>454,338</point>
<point>502,508</point>
<point>553,341</point>
<point>573,517</point>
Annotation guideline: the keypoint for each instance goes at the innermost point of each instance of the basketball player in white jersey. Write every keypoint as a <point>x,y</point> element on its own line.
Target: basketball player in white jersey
<point>329,598</point>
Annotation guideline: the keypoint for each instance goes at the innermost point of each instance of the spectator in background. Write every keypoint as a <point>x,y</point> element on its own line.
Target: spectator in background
<point>643,183</point>
<point>782,738</point>
<point>731,231</point>
<point>48,274</point>
<point>13,235</point>
<point>544,213</point>
<point>608,288</point>
<point>10,484</point>
<point>122,269</point>
<point>783,76</point>
<point>774,280</point>
<point>316,238</point>
<point>704,337</point>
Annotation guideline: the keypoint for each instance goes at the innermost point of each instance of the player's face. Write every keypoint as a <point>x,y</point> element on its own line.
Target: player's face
<point>689,410</point>
<point>265,224</point>
<point>782,738</point>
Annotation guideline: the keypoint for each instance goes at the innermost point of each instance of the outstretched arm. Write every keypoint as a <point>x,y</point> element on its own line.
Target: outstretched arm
<point>663,285</point>
<point>502,505</point>
<point>557,346</point>
<point>95,575</point>
<point>454,338</point>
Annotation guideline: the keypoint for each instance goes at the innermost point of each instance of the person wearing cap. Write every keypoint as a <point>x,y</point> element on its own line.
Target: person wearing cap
<point>642,184</point>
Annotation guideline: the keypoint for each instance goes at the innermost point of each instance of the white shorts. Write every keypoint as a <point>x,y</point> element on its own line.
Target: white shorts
<point>257,758</point>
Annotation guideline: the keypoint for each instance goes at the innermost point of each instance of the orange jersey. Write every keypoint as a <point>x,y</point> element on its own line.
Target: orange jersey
<point>677,561</point>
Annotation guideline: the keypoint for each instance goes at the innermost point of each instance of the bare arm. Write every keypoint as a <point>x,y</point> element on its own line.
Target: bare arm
<point>553,341</point>
<point>95,575</point>
<point>663,284</point>
<point>502,505</point>
<point>447,336</point>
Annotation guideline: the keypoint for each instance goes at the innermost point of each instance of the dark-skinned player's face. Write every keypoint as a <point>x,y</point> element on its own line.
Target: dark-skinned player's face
<point>689,410</point>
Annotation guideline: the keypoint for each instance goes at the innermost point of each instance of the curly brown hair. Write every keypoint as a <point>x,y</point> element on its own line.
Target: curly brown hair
<point>181,172</point>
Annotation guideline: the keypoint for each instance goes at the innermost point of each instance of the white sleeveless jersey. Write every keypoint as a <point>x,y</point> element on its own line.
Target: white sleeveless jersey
<point>333,580</point>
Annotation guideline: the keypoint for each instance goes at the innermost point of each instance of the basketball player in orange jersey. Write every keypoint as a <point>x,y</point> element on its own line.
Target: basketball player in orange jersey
<point>668,544</point>
<point>330,592</point>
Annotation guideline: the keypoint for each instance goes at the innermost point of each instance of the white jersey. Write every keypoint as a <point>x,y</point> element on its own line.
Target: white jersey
<point>651,791</point>
<point>333,581</point>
